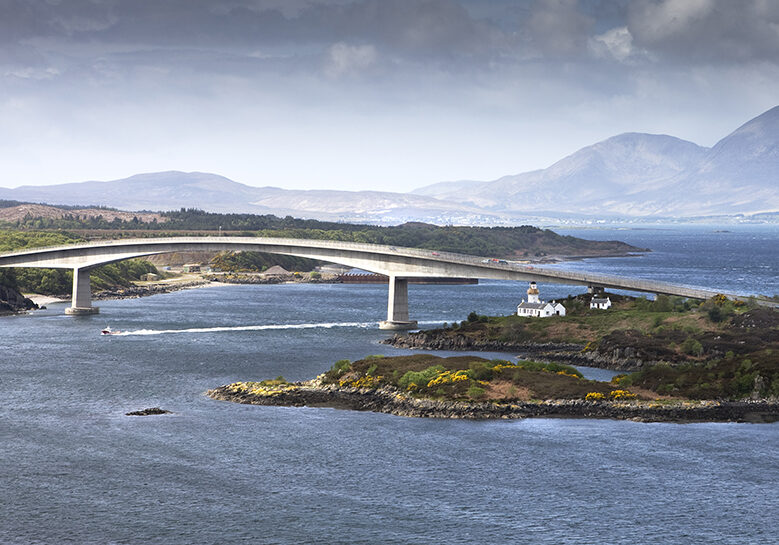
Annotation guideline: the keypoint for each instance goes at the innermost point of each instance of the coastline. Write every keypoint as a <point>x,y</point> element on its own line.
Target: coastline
<point>393,401</point>
<point>131,292</point>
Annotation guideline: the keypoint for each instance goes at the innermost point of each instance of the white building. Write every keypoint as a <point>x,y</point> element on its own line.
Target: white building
<point>536,308</point>
<point>601,303</point>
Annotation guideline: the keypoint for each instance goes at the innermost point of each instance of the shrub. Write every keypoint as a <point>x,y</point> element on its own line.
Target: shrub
<point>475,392</point>
<point>594,396</point>
<point>278,381</point>
<point>662,304</point>
<point>338,369</point>
<point>715,314</point>
<point>692,346</point>
<point>480,370</point>
<point>419,377</point>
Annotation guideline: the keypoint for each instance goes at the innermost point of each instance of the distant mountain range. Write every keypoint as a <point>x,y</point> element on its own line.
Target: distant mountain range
<point>631,175</point>
<point>637,174</point>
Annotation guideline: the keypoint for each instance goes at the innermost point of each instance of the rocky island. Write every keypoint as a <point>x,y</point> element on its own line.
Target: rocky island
<point>470,387</point>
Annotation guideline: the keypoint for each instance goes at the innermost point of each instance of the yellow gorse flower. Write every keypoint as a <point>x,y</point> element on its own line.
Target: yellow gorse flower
<point>362,382</point>
<point>447,377</point>
<point>622,394</point>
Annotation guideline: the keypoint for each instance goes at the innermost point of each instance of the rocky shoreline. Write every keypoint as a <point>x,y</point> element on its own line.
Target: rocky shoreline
<point>13,302</point>
<point>392,401</point>
<point>569,353</point>
<point>134,292</point>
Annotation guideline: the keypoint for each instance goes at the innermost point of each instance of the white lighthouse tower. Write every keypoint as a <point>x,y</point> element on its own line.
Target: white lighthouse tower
<point>532,293</point>
<point>536,308</point>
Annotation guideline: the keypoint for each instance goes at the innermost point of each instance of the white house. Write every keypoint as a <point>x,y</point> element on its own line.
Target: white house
<point>600,302</point>
<point>536,308</point>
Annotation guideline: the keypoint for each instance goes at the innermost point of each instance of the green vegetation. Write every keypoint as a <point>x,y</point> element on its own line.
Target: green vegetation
<point>466,378</point>
<point>716,349</point>
<point>239,262</point>
<point>11,240</point>
<point>60,281</point>
<point>652,326</point>
<point>730,377</point>
<point>525,241</point>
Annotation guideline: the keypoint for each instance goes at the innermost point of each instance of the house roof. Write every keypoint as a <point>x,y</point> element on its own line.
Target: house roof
<point>600,300</point>
<point>532,305</point>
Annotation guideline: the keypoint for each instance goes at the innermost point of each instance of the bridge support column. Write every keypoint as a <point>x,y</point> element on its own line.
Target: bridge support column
<point>82,294</point>
<point>397,306</point>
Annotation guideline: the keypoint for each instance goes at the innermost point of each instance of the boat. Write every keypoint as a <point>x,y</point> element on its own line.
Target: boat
<point>108,331</point>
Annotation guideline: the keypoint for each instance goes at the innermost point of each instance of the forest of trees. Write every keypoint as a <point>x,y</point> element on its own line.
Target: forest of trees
<point>60,281</point>
<point>511,242</point>
<point>521,241</point>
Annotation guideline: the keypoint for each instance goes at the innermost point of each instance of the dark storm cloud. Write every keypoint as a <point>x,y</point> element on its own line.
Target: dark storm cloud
<point>427,26</point>
<point>716,31</point>
<point>405,31</point>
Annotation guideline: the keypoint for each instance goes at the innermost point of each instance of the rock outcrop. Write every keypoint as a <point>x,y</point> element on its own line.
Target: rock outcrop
<point>151,411</point>
<point>12,302</point>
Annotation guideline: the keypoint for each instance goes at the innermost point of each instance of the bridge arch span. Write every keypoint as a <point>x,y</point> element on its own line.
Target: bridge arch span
<point>398,263</point>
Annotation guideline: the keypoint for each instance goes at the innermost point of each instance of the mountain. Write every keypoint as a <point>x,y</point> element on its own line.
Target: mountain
<point>631,175</point>
<point>580,183</point>
<point>152,191</point>
<point>172,190</point>
<point>742,170</point>
<point>638,174</point>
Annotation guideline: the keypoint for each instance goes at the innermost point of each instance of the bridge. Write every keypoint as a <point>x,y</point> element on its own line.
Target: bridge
<point>398,263</point>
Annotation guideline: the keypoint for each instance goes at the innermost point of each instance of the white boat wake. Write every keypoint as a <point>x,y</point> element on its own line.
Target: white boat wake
<point>326,325</point>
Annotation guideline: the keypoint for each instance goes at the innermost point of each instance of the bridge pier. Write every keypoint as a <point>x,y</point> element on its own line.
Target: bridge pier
<point>397,306</point>
<point>82,294</point>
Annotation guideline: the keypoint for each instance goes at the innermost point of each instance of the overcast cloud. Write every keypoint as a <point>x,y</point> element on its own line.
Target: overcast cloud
<point>374,94</point>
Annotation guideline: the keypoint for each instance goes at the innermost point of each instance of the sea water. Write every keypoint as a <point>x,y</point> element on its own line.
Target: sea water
<point>75,469</point>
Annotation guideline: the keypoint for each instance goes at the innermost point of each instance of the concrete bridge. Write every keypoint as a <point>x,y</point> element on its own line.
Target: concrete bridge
<point>398,263</point>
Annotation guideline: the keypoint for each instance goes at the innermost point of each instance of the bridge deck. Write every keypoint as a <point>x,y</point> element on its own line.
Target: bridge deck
<point>393,261</point>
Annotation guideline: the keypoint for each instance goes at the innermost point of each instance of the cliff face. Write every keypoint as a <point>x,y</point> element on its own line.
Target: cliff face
<point>11,301</point>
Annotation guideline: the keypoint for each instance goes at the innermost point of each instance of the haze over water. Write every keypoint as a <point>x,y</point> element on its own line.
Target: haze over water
<point>74,469</point>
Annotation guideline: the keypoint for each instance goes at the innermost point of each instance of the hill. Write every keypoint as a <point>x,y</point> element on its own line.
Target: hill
<point>173,189</point>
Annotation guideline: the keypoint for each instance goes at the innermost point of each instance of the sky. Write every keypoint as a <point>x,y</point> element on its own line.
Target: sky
<point>366,94</point>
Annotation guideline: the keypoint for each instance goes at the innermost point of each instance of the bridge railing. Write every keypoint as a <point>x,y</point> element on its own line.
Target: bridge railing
<point>540,273</point>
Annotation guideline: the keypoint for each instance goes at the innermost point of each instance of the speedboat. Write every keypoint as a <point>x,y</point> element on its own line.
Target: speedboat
<point>109,331</point>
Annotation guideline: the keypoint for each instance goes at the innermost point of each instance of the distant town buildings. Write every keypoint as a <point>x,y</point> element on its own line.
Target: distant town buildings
<point>536,308</point>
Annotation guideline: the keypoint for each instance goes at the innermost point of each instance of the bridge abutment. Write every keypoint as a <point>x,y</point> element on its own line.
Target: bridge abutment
<point>397,306</point>
<point>82,294</point>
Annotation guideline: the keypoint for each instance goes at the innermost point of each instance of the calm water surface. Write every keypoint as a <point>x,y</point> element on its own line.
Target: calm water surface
<point>74,469</point>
